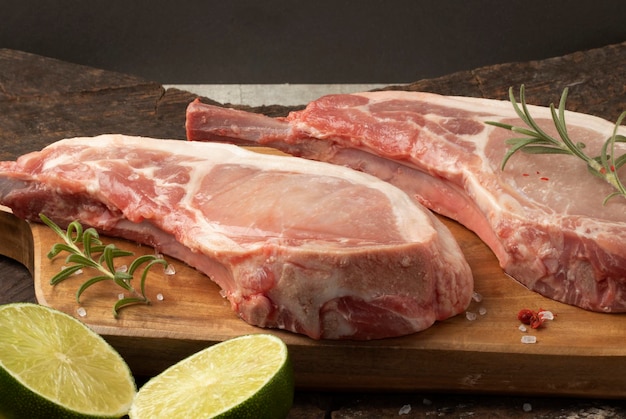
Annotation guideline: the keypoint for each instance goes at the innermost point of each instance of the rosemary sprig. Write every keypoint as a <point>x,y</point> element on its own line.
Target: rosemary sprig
<point>535,140</point>
<point>83,247</point>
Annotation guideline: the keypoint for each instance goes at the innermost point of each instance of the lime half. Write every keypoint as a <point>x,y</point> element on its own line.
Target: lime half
<point>245,377</point>
<point>52,365</point>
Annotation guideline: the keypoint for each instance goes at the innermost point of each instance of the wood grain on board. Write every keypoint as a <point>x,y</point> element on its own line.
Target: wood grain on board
<point>579,353</point>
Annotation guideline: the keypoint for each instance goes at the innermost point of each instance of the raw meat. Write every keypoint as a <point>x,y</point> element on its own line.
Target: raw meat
<point>294,244</point>
<point>542,215</point>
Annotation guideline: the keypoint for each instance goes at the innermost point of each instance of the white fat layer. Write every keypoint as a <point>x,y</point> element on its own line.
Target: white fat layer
<point>494,110</point>
<point>413,221</point>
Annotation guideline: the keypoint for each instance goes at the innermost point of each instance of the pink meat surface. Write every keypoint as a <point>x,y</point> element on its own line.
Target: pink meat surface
<point>542,216</point>
<point>294,244</point>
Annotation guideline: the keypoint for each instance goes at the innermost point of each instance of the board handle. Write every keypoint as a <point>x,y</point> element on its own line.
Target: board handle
<point>16,239</point>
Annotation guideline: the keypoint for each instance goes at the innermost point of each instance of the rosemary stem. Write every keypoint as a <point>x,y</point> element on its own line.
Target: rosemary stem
<point>84,258</point>
<point>536,141</point>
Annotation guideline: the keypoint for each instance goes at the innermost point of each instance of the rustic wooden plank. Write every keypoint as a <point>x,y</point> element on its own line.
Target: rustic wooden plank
<point>16,259</point>
<point>596,79</point>
<point>43,100</point>
<point>16,281</point>
<point>24,75</point>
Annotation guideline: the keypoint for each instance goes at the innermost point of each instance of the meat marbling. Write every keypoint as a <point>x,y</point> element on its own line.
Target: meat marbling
<point>294,244</point>
<point>542,215</point>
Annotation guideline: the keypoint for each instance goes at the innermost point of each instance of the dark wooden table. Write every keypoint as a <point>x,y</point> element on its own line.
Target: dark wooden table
<point>43,100</point>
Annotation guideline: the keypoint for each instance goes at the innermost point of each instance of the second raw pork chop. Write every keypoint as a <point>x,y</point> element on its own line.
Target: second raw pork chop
<point>542,216</point>
<point>294,244</point>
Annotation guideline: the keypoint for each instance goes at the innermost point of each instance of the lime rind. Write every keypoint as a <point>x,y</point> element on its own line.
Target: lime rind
<point>59,365</point>
<point>248,376</point>
<point>53,365</point>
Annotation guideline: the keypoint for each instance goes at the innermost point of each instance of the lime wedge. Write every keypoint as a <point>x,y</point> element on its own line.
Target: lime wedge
<point>52,365</point>
<point>245,377</point>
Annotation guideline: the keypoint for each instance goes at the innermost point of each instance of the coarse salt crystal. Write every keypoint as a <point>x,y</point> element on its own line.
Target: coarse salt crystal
<point>159,297</point>
<point>529,339</point>
<point>522,328</point>
<point>122,268</point>
<point>546,315</point>
<point>477,297</point>
<point>527,407</point>
<point>81,311</point>
<point>169,269</point>
<point>405,410</point>
<point>78,272</point>
<point>471,316</point>
<point>120,295</point>
<point>482,311</point>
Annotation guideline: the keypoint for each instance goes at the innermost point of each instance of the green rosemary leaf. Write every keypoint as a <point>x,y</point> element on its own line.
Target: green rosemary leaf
<point>544,150</point>
<point>526,117</point>
<point>112,252</point>
<point>140,261</point>
<point>537,141</point>
<point>527,145</point>
<point>609,197</point>
<point>517,130</point>
<point>82,260</point>
<point>610,166</point>
<point>593,169</point>
<point>499,124</point>
<point>144,275</point>
<point>516,145</point>
<point>83,257</point>
<point>126,302</point>
<point>530,134</point>
<point>559,123</point>
<point>107,257</point>
<point>52,225</point>
<point>74,232</point>
<point>619,162</point>
<point>57,248</point>
<point>64,274</point>
<point>92,232</point>
<point>88,236</point>
<point>116,252</point>
<point>97,248</point>
<point>604,157</point>
<point>89,283</point>
<point>518,142</point>
<point>122,279</point>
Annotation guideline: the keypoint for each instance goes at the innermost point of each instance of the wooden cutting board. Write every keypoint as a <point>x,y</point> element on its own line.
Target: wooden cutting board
<point>579,353</point>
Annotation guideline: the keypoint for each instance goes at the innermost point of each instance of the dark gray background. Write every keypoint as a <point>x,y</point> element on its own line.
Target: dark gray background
<point>281,41</point>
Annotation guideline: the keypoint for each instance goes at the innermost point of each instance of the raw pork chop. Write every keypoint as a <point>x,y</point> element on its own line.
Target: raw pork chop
<point>542,216</point>
<point>305,246</point>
